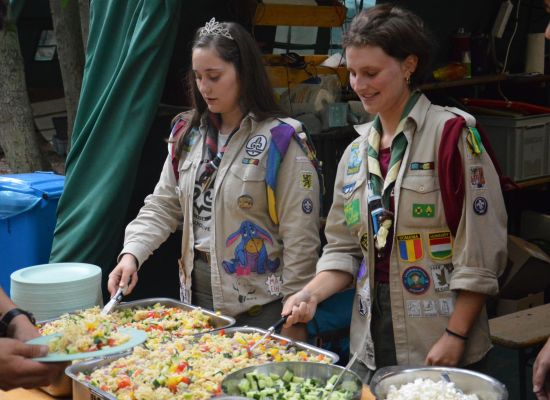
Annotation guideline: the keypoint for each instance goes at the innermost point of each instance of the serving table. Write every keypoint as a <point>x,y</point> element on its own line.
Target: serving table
<point>36,394</point>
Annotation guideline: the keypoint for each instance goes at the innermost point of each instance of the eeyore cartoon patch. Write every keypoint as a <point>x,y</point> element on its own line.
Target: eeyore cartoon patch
<point>250,253</point>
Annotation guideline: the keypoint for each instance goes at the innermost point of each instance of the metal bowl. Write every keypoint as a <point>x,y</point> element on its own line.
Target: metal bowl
<point>470,382</point>
<point>319,371</point>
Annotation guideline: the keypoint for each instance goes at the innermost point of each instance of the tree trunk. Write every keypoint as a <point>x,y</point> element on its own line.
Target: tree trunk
<point>68,36</point>
<point>84,6</point>
<point>17,136</point>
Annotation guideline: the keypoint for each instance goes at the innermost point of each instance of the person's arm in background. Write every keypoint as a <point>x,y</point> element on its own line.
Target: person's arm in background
<point>157,219</point>
<point>541,373</point>
<point>16,367</point>
<point>298,210</point>
<point>338,264</point>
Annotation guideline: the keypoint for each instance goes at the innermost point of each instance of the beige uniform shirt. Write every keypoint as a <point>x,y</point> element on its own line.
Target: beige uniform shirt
<point>427,264</point>
<point>253,260</point>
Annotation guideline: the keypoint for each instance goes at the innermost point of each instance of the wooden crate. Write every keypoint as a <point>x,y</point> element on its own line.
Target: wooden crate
<point>299,15</point>
<point>281,75</point>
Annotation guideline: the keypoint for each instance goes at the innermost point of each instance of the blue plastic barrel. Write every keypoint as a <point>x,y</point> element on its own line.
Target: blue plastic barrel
<point>28,203</point>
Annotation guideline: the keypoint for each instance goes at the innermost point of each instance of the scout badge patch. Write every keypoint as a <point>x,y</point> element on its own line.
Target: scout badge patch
<point>352,213</point>
<point>422,166</point>
<point>410,247</point>
<point>416,280</point>
<point>440,245</point>
<point>423,210</point>
<point>306,180</point>
<point>441,275</point>
<point>480,205</point>
<point>477,177</point>
<point>274,284</point>
<point>354,162</point>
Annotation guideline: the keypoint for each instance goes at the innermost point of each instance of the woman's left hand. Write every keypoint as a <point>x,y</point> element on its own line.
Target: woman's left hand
<point>447,351</point>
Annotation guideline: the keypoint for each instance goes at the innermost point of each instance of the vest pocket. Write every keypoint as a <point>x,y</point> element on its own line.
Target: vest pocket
<point>248,173</point>
<point>186,182</point>
<point>420,203</point>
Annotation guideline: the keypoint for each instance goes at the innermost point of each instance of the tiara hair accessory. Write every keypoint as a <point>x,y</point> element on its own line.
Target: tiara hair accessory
<point>213,28</point>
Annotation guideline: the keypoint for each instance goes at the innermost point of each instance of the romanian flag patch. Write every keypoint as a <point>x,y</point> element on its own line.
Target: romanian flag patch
<point>440,245</point>
<point>410,247</point>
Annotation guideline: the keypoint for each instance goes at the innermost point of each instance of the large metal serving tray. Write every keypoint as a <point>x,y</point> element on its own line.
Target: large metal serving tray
<point>291,343</point>
<point>83,390</point>
<point>218,321</point>
<point>63,387</point>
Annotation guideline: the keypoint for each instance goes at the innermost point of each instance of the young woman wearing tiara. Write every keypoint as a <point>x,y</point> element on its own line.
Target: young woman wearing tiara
<point>243,182</point>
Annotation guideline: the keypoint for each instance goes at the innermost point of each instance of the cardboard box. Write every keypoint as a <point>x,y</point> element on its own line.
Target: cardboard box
<point>508,306</point>
<point>527,272</point>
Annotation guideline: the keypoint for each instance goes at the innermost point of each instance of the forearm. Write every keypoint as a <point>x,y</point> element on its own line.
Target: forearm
<point>5,303</point>
<point>467,308</point>
<point>326,283</point>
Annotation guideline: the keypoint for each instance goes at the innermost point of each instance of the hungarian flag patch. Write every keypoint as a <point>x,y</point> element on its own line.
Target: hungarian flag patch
<point>440,245</point>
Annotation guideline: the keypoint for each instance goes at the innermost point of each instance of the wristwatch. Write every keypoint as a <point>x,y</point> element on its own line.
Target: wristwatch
<point>11,314</point>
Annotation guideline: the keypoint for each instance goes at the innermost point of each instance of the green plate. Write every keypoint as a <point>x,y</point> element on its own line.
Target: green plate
<point>136,337</point>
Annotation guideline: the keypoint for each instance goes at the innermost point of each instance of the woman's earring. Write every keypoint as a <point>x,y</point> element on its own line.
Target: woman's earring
<point>408,80</point>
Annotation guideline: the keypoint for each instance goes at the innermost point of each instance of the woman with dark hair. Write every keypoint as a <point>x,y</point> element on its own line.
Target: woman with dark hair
<point>423,246</point>
<point>242,180</point>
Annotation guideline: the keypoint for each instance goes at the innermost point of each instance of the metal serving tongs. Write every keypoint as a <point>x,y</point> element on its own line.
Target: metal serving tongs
<point>114,301</point>
<point>346,368</point>
<point>269,332</point>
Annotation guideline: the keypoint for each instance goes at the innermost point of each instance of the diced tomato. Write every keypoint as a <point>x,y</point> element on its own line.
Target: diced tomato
<point>222,332</point>
<point>182,366</point>
<point>111,342</point>
<point>185,380</point>
<point>104,388</point>
<point>124,382</point>
<point>218,389</point>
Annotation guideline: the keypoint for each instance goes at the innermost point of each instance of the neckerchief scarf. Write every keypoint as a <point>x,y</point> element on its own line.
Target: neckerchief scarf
<point>212,157</point>
<point>380,188</point>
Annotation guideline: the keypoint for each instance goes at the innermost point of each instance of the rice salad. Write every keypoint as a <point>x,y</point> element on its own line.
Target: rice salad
<point>426,389</point>
<point>159,321</point>
<point>88,335</point>
<point>189,367</point>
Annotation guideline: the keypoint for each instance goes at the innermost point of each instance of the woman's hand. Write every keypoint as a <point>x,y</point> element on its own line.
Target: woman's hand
<point>123,275</point>
<point>541,373</point>
<point>447,351</point>
<point>300,307</point>
<point>18,370</point>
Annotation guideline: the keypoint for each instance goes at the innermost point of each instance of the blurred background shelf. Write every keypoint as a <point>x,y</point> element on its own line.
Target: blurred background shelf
<point>299,15</point>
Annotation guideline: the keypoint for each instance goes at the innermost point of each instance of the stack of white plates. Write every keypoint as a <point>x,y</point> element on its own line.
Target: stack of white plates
<point>49,290</point>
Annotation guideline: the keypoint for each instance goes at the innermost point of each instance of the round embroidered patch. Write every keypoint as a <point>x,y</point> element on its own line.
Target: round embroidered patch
<point>416,280</point>
<point>307,206</point>
<point>480,205</point>
<point>245,201</point>
<point>256,145</point>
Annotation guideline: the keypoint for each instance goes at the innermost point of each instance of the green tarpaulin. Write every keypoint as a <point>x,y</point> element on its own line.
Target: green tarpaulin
<point>129,50</point>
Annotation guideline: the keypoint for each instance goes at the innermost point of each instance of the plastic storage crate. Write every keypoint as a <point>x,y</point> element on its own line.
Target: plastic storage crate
<point>28,204</point>
<point>521,144</point>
